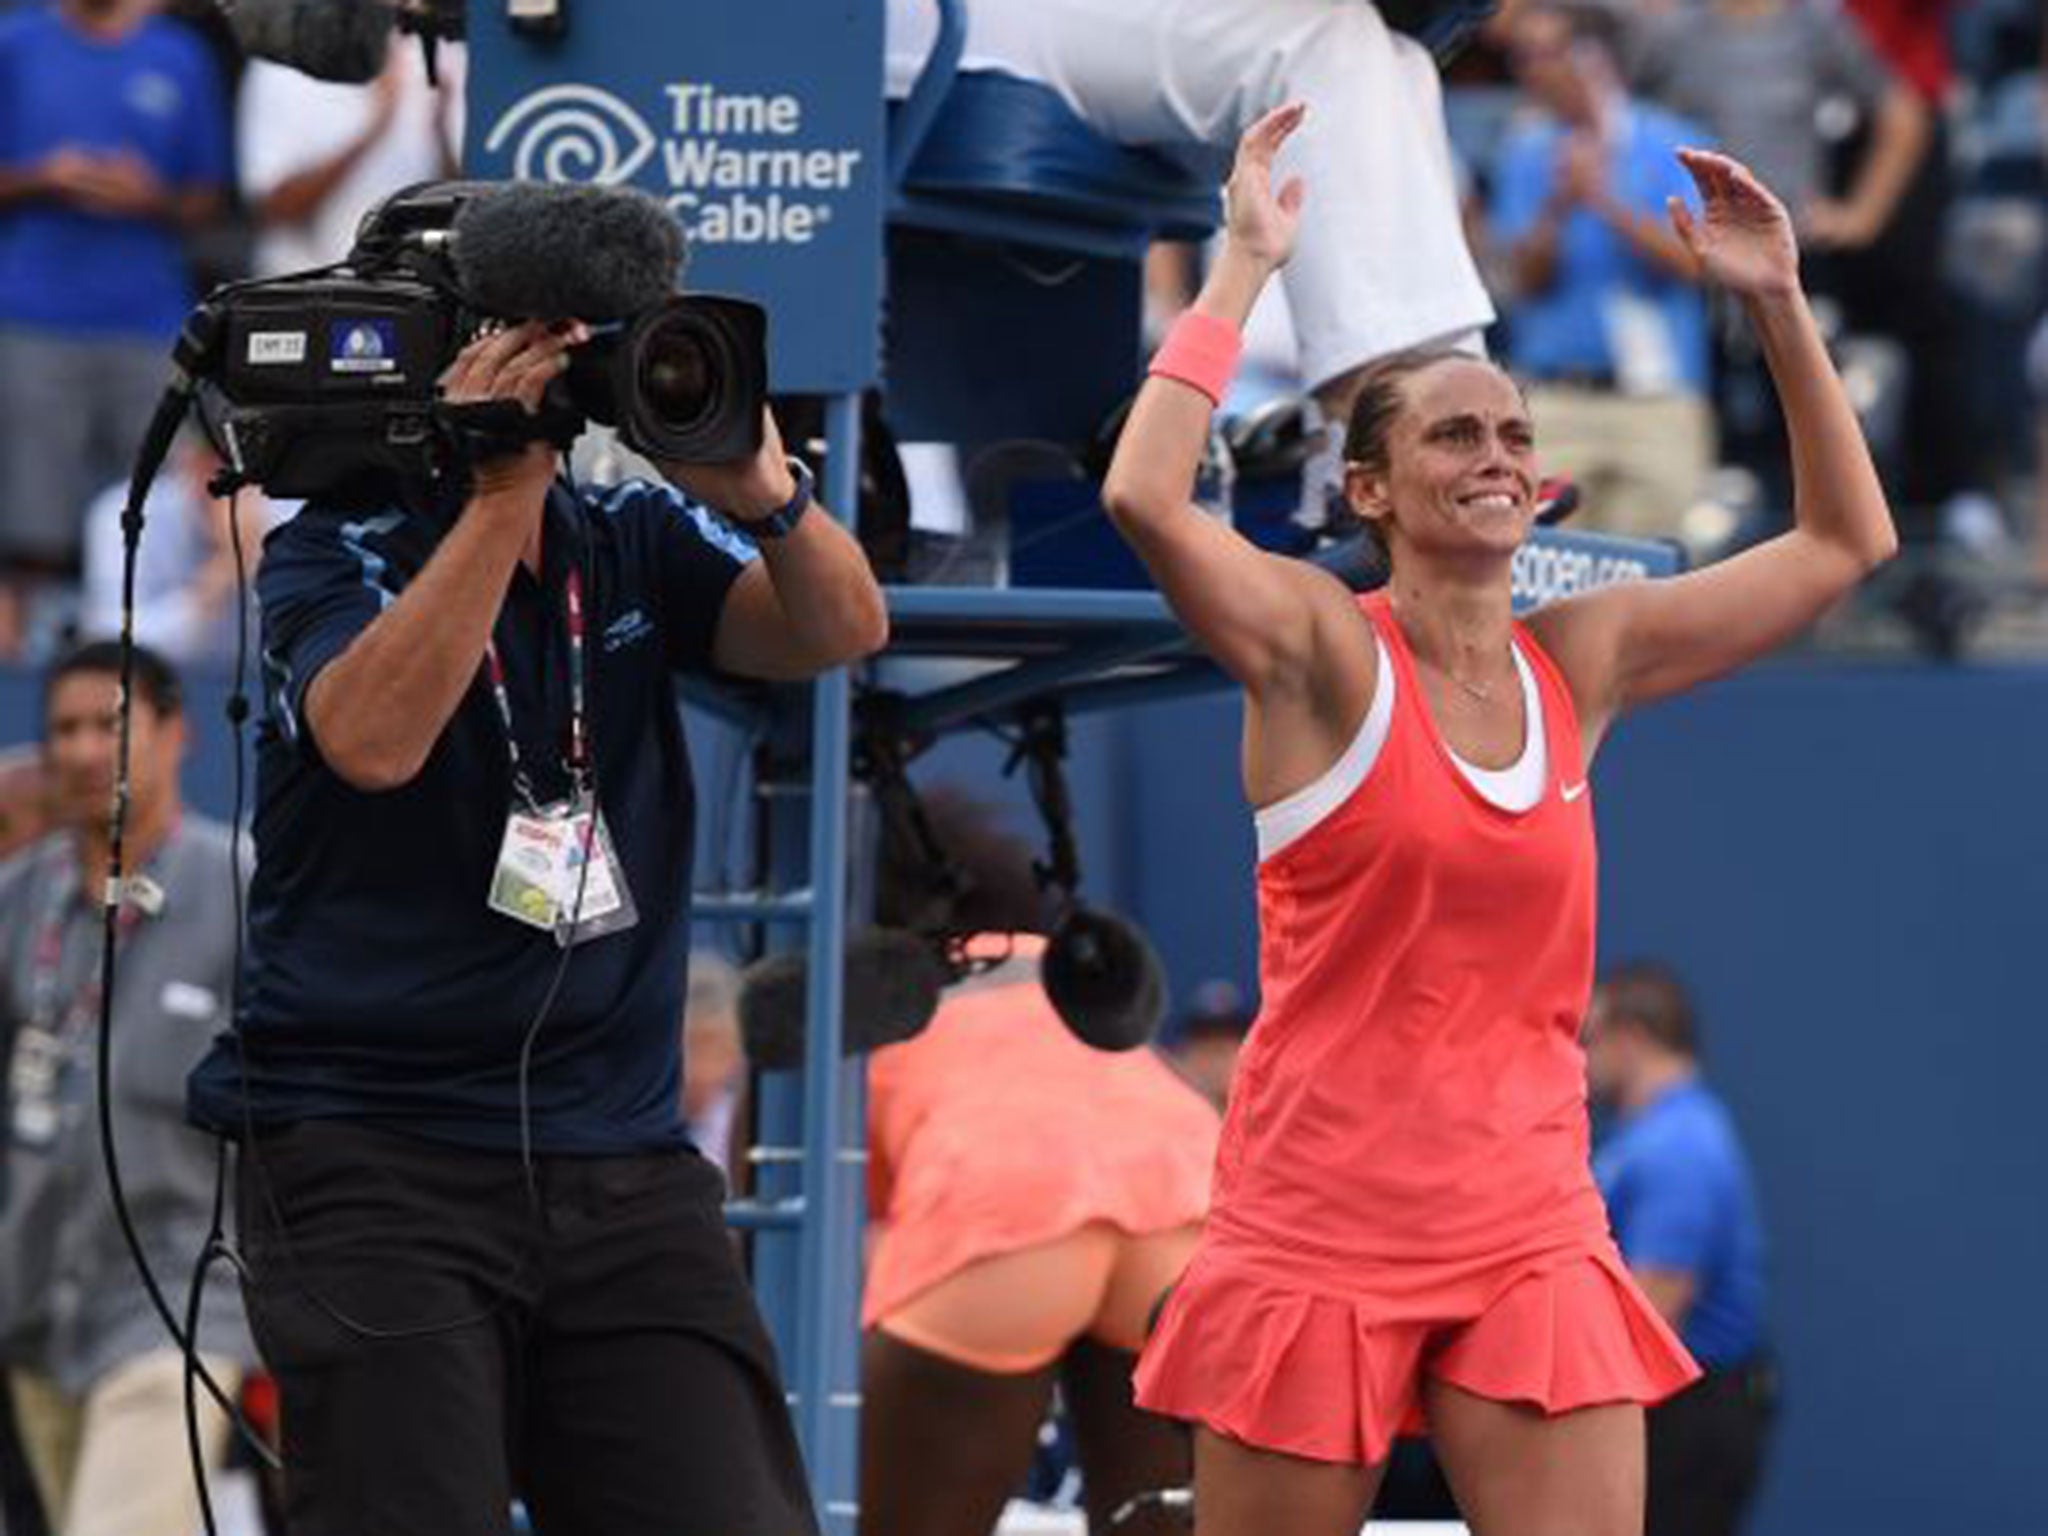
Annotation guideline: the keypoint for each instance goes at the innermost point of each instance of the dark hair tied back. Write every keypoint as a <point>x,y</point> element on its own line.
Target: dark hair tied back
<point>1382,391</point>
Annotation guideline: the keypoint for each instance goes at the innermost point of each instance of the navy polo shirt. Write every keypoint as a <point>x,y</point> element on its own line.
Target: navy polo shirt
<point>1679,1195</point>
<point>379,985</point>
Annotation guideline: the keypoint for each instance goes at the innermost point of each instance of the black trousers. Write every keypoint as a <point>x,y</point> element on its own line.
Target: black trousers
<point>21,1508</point>
<point>1706,1451</point>
<point>442,1343</point>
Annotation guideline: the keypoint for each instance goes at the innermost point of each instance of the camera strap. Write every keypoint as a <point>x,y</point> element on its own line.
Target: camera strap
<point>49,1066</point>
<point>491,429</point>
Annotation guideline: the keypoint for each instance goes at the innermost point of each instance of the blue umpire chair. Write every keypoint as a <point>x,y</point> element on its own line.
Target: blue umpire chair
<point>999,189</point>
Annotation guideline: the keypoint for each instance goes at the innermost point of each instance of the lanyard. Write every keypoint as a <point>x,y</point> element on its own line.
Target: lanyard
<point>577,762</point>
<point>46,958</point>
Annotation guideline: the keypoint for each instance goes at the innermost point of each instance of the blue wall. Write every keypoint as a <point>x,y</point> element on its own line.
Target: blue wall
<point>1852,865</point>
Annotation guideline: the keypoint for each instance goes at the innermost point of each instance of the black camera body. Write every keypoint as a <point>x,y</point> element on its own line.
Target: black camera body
<point>317,379</point>
<point>329,378</point>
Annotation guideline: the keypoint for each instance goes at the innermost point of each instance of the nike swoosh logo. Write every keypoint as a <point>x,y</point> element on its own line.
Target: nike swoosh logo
<point>1571,792</point>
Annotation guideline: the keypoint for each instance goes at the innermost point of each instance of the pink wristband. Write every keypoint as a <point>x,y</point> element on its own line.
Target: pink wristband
<point>1201,352</point>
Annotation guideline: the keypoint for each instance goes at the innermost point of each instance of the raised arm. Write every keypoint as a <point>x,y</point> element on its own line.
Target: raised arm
<point>378,708</point>
<point>1259,615</point>
<point>811,602</point>
<point>1626,645</point>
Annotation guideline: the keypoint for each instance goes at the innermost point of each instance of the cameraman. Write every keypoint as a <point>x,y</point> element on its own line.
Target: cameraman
<point>483,1260</point>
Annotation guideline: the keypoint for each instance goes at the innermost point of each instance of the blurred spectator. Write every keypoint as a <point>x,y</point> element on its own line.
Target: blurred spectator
<point>1993,38</point>
<point>219,250</point>
<point>1607,324</point>
<point>317,156</point>
<point>1758,75</point>
<point>1894,286</point>
<point>1193,74</point>
<point>23,809</point>
<point>714,1062</point>
<point>1678,1192</point>
<point>113,143</point>
<point>1208,1038</point>
<point>185,597</point>
<point>97,1383</point>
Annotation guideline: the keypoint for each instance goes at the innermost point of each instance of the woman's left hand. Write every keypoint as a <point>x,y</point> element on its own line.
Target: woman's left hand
<point>1743,238</point>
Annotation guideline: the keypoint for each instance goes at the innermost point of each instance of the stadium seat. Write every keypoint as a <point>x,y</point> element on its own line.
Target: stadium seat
<point>1008,159</point>
<point>1015,241</point>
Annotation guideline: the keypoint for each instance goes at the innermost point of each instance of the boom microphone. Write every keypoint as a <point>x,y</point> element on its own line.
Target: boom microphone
<point>1104,980</point>
<point>340,40</point>
<point>893,982</point>
<point>539,251</point>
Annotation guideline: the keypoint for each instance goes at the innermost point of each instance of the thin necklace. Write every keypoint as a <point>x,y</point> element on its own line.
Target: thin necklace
<point>1483,692</point>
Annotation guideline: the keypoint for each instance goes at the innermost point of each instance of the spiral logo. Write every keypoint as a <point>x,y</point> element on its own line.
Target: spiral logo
<point>572,133</point>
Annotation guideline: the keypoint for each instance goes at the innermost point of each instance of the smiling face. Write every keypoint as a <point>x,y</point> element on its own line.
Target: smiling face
<point>1454,471</point>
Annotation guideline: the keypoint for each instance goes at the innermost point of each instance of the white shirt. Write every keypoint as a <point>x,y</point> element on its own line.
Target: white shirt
<point>288,122</point>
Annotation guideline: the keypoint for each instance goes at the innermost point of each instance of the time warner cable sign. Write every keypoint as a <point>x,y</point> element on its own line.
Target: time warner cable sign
<point>760,124</point>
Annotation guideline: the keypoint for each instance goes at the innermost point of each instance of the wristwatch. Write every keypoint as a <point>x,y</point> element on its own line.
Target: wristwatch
<point>785,517</point>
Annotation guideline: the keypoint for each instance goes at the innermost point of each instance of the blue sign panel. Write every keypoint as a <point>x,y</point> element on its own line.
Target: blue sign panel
<point>761,124</point>
<point>1556,562</point>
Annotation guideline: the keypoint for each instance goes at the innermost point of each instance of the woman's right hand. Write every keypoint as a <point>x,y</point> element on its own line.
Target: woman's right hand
<point>1259,221</point>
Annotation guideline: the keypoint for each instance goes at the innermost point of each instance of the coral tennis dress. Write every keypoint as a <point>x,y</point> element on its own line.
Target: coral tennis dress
<point>1403,1186</point>
<point>995,1129</point>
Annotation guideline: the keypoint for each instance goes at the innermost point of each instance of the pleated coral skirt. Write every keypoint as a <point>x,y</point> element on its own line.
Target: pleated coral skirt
<point>1253,1346</point>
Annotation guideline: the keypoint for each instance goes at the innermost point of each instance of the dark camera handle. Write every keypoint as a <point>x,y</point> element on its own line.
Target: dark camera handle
<point>492,429</point>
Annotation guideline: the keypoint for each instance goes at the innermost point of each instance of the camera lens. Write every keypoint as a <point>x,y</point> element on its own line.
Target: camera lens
<point>679,377</point>
<point>689,378</point>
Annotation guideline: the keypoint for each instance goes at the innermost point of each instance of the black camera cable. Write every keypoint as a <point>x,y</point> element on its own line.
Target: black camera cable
<point>216,1248</point>
<point>162,433</point>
